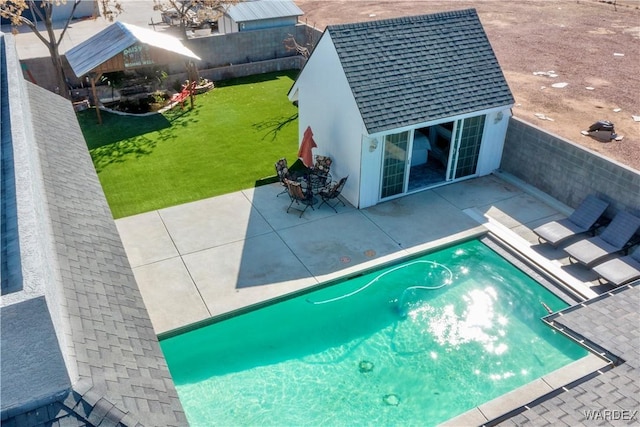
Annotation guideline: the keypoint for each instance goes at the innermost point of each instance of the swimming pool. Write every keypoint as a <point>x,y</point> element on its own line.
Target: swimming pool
<point>416,343</point>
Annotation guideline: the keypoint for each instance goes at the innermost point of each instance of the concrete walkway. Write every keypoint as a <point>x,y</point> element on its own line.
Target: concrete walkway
<point>202,259</point>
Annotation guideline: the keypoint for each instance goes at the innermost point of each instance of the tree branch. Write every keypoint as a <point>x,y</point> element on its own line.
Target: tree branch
<point>66,24</point>
<point>35,10</point>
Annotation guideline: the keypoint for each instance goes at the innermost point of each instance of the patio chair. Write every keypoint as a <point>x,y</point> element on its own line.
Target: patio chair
<point>283,173</point>
<point>620,271</point>
<point>332,192</point>
<point>613,239</point>
<point>299,196</point>
<point>583,219</point>
<point>321,171</point>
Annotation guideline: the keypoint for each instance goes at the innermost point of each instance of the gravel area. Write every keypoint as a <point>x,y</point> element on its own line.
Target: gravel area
<point>593,47</point>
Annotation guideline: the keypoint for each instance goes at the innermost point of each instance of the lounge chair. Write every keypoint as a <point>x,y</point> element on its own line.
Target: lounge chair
<point>299,196</point>
<point>620,271</point>
<point>332,192</point>
<point>583,219</point>
<point>613,239</point>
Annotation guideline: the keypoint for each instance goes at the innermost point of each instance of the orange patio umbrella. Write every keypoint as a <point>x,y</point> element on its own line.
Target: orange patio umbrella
<point>305,148</point>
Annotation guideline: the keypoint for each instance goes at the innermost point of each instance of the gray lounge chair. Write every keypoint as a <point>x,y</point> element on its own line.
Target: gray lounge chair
<point>582,220</point>
<point>613,239</point>
<point>620,271</point>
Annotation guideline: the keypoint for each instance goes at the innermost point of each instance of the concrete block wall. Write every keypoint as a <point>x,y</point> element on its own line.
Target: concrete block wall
<point>245,53</point>
<point>39,71</point>
<point>567,171</point>
<point>243,70</point>
<point>31,247</point>
<point>249,46</point>
<point>10,267</point>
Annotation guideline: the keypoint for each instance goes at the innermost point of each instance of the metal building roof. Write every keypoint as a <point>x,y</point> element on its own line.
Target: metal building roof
<point>114,39</point>
<point>411,70</point>
<point>263,9</point>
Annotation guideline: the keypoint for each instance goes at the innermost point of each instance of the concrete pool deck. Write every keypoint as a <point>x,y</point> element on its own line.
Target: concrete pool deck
<point>203,259</point>
<point>200,260</point>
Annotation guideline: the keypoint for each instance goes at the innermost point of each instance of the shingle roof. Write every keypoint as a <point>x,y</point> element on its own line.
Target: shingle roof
<point>416,69</point>
<point>78,347</point>
<point>611,322</point>
<point>114,39</point>
<point>263,9</point>
<point>111,337</point>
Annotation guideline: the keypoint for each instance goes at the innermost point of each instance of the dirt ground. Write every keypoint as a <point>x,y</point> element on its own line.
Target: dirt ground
<point>592,46</point>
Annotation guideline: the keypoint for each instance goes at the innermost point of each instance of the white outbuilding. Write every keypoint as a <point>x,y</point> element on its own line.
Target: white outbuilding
<point>258,15</point>
<point>405,104</point>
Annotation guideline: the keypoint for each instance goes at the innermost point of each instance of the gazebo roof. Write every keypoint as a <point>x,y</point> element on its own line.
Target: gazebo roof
<point>117,37</point>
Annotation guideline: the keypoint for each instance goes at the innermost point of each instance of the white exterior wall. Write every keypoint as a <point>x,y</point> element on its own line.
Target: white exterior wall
<point>227,25</point>
<point>326,103</point>
<point>495,131</point>
<point>371,170</point>
<point>488,159</point>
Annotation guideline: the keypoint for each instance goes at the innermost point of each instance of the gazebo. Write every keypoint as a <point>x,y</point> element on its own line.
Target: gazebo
<point>121,47</point>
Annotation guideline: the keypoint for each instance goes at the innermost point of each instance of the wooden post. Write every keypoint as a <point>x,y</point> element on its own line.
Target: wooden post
<point>192,75</point>
<point>96,101</point>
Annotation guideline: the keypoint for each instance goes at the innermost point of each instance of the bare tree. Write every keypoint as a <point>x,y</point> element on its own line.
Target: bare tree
<point>290,44</point>
<point>29,12</point>
<point>194,12</point>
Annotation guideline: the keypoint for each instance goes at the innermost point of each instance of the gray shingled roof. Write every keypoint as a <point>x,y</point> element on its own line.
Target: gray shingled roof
<point>416,69</point>
<point>78,347</point>
<point>610,321</point>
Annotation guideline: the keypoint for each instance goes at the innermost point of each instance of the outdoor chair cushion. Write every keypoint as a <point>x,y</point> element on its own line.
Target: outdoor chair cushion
<point>298,195</point>
<point>580,221</point>
<point>619,271</point>
<point>613,239</point>
<point>332,192</point>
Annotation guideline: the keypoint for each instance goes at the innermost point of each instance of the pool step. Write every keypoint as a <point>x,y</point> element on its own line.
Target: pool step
<point>521,246</point>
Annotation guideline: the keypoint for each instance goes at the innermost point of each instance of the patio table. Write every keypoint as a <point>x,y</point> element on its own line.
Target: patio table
<point>319,181</point>
<point>310,180</point>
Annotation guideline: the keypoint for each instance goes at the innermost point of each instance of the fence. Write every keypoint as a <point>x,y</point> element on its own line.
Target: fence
<point>566,171</point>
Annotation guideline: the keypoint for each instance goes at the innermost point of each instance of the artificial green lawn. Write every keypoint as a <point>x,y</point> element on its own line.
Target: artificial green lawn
<point>228,142</point>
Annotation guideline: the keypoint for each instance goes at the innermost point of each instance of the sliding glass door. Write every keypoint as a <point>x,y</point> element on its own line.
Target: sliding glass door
<point>468,140</point>
<point>447,151</point>
<point>394,164</point>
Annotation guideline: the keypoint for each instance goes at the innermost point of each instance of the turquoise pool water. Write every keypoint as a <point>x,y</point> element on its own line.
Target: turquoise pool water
<point>413,344</point>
